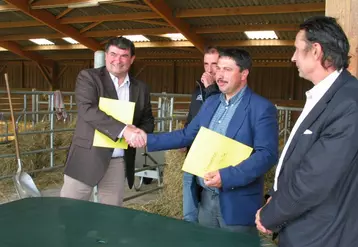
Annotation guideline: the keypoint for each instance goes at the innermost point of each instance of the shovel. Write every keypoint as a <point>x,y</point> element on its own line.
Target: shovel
<point>25,186</point>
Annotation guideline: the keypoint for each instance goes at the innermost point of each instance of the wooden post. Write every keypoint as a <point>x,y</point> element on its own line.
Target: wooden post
<point>345,11</point>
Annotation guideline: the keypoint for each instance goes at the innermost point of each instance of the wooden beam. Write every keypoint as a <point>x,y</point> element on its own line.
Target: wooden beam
<point>162,9</point>
<point>54,77</point>
<point>170,44</point>
<point>132,5</point>
<point>55,47</point>
<point>159,23</point>
<point>255,43</point>
<point>243,28</point>
<point>17,49</point>
<point>63,13</point>
<point>63,71</point>
<point>20,24</point>
<point>140,55</point>
<point>157,31</point>
<point>45,74</point>
<point>251,10</point>
<point>345,11</point>
<point>147,31</point>
<point>7,8</point>
<point>90,26</point>
<point>48,19</point>
<point>111,17</point>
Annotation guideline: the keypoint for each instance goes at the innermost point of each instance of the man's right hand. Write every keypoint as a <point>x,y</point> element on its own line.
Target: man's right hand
<point>134,136</point>
<point>207,79</point>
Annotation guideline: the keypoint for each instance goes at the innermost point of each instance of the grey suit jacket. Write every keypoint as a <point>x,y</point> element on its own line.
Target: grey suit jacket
<point>317,198</point>
<point>84,162</point>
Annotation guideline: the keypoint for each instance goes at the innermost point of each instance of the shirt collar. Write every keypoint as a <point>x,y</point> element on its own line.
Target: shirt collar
<point>322,87</point>
<point>126,81</point>
<point>234,99</point>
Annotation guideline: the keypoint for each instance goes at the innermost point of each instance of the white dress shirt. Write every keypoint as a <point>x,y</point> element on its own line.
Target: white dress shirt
<point>123,94</point>
<point>312,97</point>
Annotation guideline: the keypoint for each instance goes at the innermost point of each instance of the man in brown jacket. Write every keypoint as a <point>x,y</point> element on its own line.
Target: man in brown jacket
<point>86,165</point>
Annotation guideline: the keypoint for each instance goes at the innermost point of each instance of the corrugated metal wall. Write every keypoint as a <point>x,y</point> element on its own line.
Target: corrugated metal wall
<point>169,76</point>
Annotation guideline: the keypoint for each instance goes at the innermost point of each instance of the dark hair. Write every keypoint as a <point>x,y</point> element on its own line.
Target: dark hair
<point>211,50</point>
<point>241,57</point>
<point>329,34</point>
<point>121,43</point>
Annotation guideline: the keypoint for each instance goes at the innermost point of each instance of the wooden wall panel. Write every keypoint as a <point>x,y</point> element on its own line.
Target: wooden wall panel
<point>33,77</point>
<point>67,81</point>
<point>15,74</point>
<point>185,76</point>
<point>282,83</point>
<point>160,77</point>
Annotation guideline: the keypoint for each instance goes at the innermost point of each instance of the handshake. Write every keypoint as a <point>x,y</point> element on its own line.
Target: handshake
<point>135,137</point>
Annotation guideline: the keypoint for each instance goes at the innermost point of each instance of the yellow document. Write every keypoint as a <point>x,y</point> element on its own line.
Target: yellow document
<point>212,151</point>
<point>119,110</point>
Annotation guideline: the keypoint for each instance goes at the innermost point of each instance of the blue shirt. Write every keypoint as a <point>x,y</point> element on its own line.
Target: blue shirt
<point>221,120</point>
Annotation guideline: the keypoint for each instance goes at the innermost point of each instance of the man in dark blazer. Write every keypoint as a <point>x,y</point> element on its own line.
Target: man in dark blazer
<point>232,195</point>
<point>314,200</point>
<point>86,165</point>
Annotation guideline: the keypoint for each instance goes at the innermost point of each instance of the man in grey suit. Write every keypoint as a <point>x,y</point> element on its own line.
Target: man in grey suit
<point>314,200</point>
<point>86,165</point>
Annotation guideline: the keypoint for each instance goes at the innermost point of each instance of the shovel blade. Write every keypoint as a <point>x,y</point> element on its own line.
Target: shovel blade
<point>25,186</point>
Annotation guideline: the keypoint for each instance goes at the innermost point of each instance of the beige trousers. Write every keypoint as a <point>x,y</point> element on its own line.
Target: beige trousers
<point>110,188</point>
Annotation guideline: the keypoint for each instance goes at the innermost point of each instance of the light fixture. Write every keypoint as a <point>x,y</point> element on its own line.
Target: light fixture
<point>174,36</point>
<point>136,38</point>
<point>70,40</point>
<point>42,41</point>
<point>261,35</point>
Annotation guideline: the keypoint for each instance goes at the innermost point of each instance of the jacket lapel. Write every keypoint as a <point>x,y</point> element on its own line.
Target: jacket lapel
<point>133,90</point>
<point>309,120</point>
<point>211,109</point>
<point>239,115</point>
<point>108,83</point>
<point>317,110</point>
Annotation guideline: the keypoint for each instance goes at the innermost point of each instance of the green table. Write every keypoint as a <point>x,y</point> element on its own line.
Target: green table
<point>52,222</point>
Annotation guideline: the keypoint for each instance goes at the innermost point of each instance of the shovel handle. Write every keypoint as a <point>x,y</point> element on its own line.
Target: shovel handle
<point>12,117</point>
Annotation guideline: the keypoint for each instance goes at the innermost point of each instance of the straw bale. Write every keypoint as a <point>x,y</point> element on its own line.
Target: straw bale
<point>43,180</point>
<point>170,200</point>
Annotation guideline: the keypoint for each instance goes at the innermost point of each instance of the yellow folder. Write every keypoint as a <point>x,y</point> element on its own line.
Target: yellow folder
<point>212,151</point>
<point>120,110</point>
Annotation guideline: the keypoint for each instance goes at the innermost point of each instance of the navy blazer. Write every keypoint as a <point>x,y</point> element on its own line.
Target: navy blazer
<point>255,124</point>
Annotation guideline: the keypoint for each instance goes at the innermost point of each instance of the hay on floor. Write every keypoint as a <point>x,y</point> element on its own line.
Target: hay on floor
<point>31,162</point>
<point>170,200</point>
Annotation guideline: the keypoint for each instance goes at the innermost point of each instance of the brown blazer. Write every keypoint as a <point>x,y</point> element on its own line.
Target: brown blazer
<point>84,162</point>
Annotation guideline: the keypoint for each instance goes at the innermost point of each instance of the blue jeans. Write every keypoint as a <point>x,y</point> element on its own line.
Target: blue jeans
<point>210,214</point>
<point>190,198</point>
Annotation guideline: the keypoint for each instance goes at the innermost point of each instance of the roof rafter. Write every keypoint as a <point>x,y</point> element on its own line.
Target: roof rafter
<point>187,13</point>
<point>48,19</point>
<point>251,10</point>
<point>161,8</point>
<point>161,55</point>
<point>158,31</point>
<point>170,44</point>
<point>17,49</point>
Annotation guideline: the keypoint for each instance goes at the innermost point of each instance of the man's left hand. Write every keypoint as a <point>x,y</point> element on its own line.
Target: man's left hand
<point>213,179</point>
<point>259,225</point>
